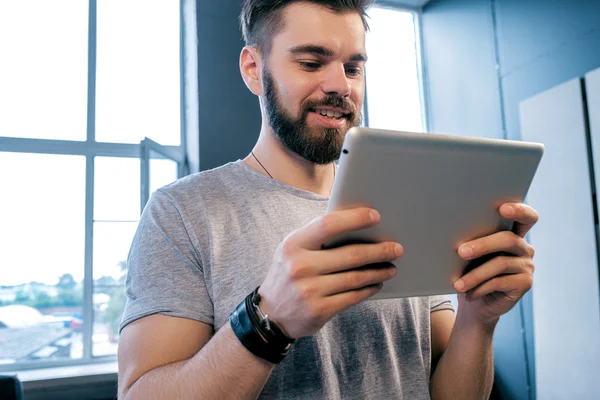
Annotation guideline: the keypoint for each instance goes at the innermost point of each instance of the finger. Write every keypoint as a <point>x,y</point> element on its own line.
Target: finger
<point>524,216</point>
<point>324,229</point>
<point>356,255</point>
<point>501,265</point>
<point>332,284</point>
<point>512,286</point>
<point>343,301</point>
<point>505,241</point>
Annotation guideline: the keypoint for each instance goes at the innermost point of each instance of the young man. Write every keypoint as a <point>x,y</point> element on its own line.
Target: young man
<point>192,327</point>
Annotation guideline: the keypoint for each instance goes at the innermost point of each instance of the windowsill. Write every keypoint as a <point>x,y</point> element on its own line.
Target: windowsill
<point>46,380</point>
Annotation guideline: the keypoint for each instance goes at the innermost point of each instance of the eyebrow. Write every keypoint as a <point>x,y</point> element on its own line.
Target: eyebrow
<point>323,51</point>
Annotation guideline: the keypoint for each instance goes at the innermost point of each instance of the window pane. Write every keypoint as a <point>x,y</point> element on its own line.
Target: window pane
<point>391,73</point>
<point>109,302</point>
<point>162,172</point>
<point>42,257</point>
<point>117,189</point>
<point>112,241</point>
<point>44,73</point>
<point>138,72</point>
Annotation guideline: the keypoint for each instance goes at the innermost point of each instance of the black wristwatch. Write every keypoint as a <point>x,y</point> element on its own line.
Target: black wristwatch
<point>261,337</point>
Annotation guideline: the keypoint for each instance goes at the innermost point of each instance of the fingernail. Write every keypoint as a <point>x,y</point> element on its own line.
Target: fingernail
<point>374,215</point>
<point>459,284</point>
<point>393,272</point>
<point>398,250</point>
<point>465,251</point>
<point>509,211</point>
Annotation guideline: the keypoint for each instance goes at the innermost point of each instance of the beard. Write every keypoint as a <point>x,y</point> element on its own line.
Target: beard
<point>319,145</point>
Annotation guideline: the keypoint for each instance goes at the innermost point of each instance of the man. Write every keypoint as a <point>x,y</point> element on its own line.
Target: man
<point>192,327</point>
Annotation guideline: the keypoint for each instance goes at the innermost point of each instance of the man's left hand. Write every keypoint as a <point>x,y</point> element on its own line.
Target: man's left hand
<point>493,288</point>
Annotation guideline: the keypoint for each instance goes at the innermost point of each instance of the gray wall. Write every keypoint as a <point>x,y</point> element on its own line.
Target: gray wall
<point>483,57</point>
<point>229,115</point>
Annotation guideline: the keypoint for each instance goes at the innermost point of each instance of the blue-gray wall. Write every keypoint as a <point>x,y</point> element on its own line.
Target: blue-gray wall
<point>229,115</point>
<point>482,58</point>
<point>460,74</point>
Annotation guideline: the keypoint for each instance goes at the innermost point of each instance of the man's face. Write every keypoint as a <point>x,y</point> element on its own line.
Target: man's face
<point>313,80</point>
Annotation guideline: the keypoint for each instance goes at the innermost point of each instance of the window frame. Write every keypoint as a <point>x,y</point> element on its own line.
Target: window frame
<point>91,149</point>
<point>147,146</point>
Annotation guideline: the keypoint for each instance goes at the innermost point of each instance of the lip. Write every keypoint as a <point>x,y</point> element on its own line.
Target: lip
<point>329,122</point>
<point>328,108</point>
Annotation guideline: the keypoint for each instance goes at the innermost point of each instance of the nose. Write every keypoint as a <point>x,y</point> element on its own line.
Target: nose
<point>336,82</point>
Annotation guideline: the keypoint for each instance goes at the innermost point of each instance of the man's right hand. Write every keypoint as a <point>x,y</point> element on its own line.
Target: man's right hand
<point>307,286</point>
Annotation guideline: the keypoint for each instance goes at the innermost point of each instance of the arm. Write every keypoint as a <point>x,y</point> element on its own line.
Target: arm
<point>466,368</point>
<point>168,357</point>
<point>163,357</point>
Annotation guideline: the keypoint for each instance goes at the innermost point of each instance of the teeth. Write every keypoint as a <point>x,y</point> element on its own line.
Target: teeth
<point>330,113</point>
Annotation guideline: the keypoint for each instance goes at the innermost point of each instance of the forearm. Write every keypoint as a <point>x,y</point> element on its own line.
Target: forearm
<point>466,369</point>
<point>222,369</point>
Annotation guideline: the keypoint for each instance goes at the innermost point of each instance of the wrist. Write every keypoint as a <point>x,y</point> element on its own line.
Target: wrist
<point>265,307</point>
<point>257,333</point>
<point>467,321</point>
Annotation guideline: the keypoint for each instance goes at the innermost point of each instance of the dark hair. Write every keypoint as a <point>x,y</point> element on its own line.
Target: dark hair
<point>261,20</point>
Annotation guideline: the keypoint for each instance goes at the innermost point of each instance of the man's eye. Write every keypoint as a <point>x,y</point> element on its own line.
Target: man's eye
<point>310,64</point>
<point>353,71</point>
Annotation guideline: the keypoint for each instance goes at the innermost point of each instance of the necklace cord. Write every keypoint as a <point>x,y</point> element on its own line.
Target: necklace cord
<point>263,167</point>
<point>271,176</point>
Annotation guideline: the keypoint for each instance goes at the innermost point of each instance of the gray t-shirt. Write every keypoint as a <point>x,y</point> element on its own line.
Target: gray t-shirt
<point>207,240</point>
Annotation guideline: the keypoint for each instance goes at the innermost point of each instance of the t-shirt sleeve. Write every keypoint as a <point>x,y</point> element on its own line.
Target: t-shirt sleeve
<point>437,303</point>
<point>165,273</point>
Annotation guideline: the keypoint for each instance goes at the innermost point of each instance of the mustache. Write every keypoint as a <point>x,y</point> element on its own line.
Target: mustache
<point>331,101</point>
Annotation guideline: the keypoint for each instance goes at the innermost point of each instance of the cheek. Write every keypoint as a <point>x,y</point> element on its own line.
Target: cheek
<point>358,95</point>
<point>296,92</point>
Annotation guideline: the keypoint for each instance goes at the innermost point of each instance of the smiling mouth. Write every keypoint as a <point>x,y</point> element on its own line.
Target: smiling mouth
<point>336,115</point>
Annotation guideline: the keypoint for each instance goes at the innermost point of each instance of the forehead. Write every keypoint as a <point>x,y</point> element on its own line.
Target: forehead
<point>307,23</point>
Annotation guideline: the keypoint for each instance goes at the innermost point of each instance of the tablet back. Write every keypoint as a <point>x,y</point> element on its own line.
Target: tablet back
<point>434,192</point>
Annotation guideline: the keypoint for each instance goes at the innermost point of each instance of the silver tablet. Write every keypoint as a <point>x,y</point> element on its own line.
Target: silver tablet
<point>433,192</point>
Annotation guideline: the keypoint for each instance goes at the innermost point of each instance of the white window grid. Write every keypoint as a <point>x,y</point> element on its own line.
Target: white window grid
<point>90,149</point>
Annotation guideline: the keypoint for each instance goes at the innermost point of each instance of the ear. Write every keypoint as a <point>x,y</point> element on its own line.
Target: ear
<point>251,69</point>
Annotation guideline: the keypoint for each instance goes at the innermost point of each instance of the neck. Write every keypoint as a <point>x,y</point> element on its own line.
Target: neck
<point>289,168</point>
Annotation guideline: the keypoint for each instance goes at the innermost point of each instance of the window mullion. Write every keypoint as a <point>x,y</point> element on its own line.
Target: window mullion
<point>365,102</point>
<point>421,67</point>
<point>88,312</point>
<point>91,97</point>
<point>88,282</point>
<point>182,101</point>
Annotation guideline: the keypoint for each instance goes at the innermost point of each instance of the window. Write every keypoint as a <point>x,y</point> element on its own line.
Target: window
<point>393,99</point>
<point>133,67</point>
<point>44,72</point>
<point>91,125</point>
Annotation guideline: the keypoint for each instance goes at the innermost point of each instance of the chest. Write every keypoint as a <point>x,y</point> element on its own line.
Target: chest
<point>241,249</point>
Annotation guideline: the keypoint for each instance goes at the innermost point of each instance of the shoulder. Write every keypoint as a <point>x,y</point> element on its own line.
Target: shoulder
<point>204,189</point>
<point>202,183</point>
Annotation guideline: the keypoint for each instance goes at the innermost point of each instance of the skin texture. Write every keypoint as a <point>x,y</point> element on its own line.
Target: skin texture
<point>167,357</point>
